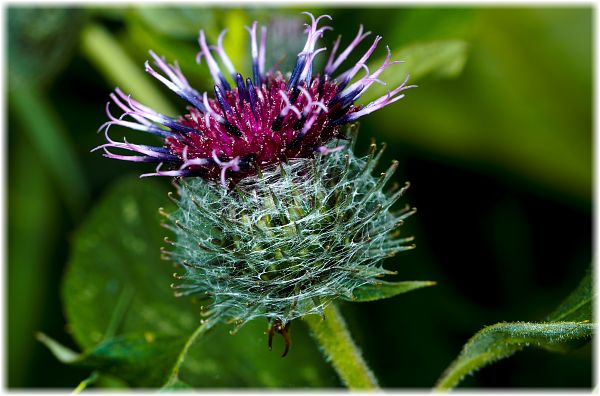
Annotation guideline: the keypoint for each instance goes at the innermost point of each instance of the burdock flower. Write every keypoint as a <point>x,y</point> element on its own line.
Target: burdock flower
<point>251,123</point>
<point>283,217</point>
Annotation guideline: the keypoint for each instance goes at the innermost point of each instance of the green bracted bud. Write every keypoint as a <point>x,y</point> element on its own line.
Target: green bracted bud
<point>286,242</point>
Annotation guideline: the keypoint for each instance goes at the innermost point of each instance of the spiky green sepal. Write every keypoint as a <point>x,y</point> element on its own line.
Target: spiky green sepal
<point>285,243</point>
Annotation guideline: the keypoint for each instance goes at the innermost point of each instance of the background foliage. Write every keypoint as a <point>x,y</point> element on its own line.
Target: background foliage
<point>497,146</point>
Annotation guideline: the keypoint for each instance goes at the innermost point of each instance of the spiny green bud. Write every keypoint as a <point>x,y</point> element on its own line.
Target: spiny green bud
<point>286,242</point>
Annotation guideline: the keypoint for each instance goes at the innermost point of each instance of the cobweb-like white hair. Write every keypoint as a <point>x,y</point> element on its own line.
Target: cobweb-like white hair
<point>286,242</point>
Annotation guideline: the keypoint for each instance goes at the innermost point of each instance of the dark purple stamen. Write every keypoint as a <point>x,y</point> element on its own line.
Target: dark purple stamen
<point>247,161</point>
<point>256,74</point>
<point>277,123</point>
<point>224,84</point>
<point>154,130</point>
<point>242,92</point>
<point>296,73</point>
<point>235,131</point>
<point>222,102</point>
<point>252,97</point>
<point>177,127</point>
<point>298,124</point>
<point>295,94</point>
<point>194,99</point>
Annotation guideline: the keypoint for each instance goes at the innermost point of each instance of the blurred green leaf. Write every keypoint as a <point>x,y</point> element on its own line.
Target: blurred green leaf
<point>435,23</point>
<point>175,384</point>
<point>32,201</point>
<point>40,42</point>
<point>439,59</point>
<point>108,381</point>
<point>139,359</point>
<point>47,135</point>
<point>504,339</point>
<point>117,249</point>
<point>578,305</point>
<point>107,54</point>
<point>435,59</point>
<point>383,289</point>
<point>178,21</point>
<point>61,352</point>
<point>237,41</point>
<point>503,116</point>
<point>219,359</point>
<point>115,14</point>
<point>138,40</point>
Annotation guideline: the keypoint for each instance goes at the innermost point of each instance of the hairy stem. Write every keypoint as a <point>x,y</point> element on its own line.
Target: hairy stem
<point>338,347</point>
<point>203,328</point>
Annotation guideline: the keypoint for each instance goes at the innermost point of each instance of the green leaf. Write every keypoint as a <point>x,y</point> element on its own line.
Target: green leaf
<point>433,23</point>
<point>61,352</point>
<point>178,22</point>
<point>236,38</point>
<point>116,283</point>
<point>578,306</point>
<point>175,384</point>
<point>220,359</point>
<point>383,289</point>
<point>520,133</point>
<point>116,253</point>
<point>504,339</point>
<point>107,381</point>
<point>119,69</point>
<point>32,210</point>
<point>40,42</point>
<point>435,59</point>
<point>172,32</point>
<point>51,143</point>
<point>439,59</point>
<point>138,39</point>
<point>137,358</point>
<point>570,326</point>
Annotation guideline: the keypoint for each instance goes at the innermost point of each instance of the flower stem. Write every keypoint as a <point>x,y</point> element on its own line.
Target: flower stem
<point>203,328</point>
<point>338,347</point>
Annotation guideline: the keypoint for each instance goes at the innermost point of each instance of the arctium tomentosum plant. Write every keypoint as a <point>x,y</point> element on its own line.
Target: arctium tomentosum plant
<point>276,215</point>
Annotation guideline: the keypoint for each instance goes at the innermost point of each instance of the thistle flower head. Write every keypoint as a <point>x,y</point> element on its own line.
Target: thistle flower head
<point>249,123</point>
<point>283,217</point>
<point>286,242</point>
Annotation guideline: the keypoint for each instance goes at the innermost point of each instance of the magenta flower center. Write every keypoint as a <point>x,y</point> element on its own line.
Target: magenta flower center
<point>258,122</point>
<point>262,133</point>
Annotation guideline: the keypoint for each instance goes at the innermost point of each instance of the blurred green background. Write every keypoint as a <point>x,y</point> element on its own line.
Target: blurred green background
<point>497,147</point>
